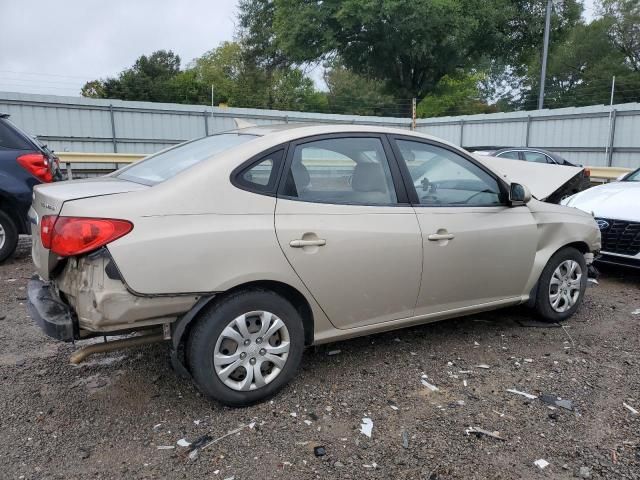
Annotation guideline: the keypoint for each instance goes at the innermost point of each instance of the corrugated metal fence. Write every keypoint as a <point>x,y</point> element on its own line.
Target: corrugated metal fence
<point>597,135</point>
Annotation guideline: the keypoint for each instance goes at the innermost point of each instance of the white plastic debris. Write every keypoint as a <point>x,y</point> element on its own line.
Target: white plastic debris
<point>183,442</point>
<point>476,344</point>
<point>157,426</point>
<point>630,408</point>
<point>464,382</point>
<point>541,463</point>
<point>308,422</point>
<point>430,386</point>
<point>373,465</point>
<point>197,422</point>
<point>528,360</point>
<point>293,414</point>
<point>165,447</point>
<point>366,427</point>
<point>524,394</point>
<point>393,407</point>
<point>636,312</point>
<point>334,352</point>
<point>592,280</point>
<point>483,365</point>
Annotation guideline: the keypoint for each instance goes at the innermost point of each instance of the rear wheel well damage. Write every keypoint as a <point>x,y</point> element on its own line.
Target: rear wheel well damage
<point>182,327</point>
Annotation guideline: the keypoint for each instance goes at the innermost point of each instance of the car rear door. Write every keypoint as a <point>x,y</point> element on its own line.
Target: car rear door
<point>344,223</point>
<point>477,250</point>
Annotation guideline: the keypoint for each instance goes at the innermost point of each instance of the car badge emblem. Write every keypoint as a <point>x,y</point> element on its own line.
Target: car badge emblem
<point>602,224</point>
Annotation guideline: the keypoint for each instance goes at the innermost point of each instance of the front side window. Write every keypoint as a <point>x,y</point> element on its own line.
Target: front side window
<point>167,164</point>
<point>633,177</point>
<point>444,178</point>
<point>341,170</point>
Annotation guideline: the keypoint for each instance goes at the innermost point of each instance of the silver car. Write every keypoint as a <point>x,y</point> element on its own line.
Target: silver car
<point>242,248</point>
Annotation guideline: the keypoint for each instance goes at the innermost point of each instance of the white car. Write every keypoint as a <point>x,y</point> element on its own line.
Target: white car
<point>616,208</point>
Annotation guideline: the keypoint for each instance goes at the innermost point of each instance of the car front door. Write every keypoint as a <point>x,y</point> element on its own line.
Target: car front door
<point>477,249</point>
<point>344,223</point>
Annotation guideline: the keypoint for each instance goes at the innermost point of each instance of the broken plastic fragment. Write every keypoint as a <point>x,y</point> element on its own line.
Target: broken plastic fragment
<point>393,407</point>
<point>366,427</point>
<point>334,352</point>
<point>483,365</point>
<point>183,442</point>
<point>552,400</point>
<point>481,431</point>
<point>524,394</point>
<point>319,451</point>
<point>308,422</point>
<point>165,447</point>
<point>431,387</point>
<point>636,312</point>
<point>541,463</point>
<point>630,408</point>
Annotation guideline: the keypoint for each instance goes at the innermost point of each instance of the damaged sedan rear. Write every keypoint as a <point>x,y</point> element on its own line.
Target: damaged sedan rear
<point>242,248</point>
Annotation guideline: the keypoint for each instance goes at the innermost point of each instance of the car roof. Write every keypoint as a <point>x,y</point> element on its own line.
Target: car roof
<point>4,115</point>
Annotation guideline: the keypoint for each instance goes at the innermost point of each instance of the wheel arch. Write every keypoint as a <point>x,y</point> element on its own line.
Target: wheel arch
<point>182,327</point>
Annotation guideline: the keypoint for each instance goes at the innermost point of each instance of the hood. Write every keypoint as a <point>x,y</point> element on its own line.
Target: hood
<point>541,179</point>
<point>617,200</point>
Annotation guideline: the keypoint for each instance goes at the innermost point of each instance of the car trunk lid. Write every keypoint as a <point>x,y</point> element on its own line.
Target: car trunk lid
<point>48,199</point>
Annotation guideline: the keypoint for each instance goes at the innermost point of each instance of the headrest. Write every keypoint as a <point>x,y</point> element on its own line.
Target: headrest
<point>368,177</point>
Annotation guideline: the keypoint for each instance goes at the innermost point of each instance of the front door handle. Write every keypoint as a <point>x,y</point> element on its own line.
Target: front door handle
<point>319,242</point>
<point>434,237</point>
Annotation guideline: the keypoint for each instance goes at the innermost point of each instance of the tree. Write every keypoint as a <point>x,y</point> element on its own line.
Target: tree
<point>146,80</point>
<point>623,18</point>
<point>410,44</point>
<point>350,93</point>
<point>456,94</point>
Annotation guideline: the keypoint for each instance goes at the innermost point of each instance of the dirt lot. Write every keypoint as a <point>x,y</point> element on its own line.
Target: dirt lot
<point>107,418</point>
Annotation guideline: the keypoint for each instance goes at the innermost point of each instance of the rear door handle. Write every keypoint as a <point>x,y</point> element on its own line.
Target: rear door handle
<point>434,237</point>
<point>307,243</point>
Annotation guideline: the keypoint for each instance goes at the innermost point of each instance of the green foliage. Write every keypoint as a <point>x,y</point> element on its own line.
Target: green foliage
<point>456,94</point>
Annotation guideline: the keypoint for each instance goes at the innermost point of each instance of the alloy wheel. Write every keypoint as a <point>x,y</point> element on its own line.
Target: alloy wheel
<point>251,351</point>
<point>565,286</point>
<point>3,236</point>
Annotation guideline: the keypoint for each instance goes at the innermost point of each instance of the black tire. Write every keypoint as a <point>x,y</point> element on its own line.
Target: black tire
<point>543,303</point>
<point>10,236</point>
<point>204,335</point>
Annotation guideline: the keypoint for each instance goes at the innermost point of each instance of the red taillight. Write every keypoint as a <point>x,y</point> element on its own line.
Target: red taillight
<point>587,172</point>
<point>68,236</point>
<point>37,165</point>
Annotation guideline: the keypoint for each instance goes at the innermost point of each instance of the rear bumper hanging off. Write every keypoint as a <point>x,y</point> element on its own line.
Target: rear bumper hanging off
<point>52,315</point>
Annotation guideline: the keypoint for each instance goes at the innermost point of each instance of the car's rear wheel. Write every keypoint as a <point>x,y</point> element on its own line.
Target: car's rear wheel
<point>562,285</point>
<point>8,236</point>
<point>246,347</point>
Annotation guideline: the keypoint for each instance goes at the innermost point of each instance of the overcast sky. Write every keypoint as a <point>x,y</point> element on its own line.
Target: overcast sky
<point>54,46</point>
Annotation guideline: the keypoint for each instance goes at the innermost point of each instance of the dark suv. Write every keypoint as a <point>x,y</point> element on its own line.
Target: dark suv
<point>24,162</point>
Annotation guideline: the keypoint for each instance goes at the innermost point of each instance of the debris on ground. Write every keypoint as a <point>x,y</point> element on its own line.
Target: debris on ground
<point>394,407</point>
<point>373,465</point>
<point>537,324</point>
<point>636,312</point>
<point>430,386</point>
<point>165,447</point>
<point>483,365</point>
<point>630,408</point>
<point>593,280</point>
<point>405,439</point>
<point>524,394</point>
<point>307,422</point>
<point>183,442</point>
<point>541,463</point>
<point>584,472</point>
<point>481,431</point>
<point>366,427</point>
<point>319,451</point>
<point>333,352</point>
<point>558,402</point>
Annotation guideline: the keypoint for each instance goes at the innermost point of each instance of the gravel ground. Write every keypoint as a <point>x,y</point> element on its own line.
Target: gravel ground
<point>108,417</point>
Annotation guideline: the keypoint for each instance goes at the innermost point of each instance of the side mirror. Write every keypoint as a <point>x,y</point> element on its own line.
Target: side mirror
<point>518,195</point>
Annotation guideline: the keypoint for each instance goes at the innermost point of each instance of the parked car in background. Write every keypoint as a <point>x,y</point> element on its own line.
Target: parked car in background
<point>243,247</point>
<point>538,155</point>
<point>616,207</point>
<point>24,163</point>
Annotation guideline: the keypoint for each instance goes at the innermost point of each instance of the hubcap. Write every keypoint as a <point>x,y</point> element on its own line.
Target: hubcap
<point>251,351</point>
<point>2,236</point>
<point>564,289</point>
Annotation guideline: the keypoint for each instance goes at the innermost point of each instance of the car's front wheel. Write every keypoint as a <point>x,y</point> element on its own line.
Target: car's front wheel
<point>8,236</point>
<point>562,285</point>
<point>246,347</point>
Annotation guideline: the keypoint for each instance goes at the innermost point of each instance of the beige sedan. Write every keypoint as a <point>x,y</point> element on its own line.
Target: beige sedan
<point>243,247</point>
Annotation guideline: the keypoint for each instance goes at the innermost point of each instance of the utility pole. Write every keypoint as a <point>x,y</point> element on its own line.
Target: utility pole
<point>545,52</point>
<point>413,113</point>
<point>607,155</point>
<point>212,99</point>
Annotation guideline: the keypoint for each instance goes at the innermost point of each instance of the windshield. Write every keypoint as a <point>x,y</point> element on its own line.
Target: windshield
<point>164,165</point>
<point>634,177</point>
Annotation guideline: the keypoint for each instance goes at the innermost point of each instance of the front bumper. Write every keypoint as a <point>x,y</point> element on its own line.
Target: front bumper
<point>624,261</point>
<point>49,312</point>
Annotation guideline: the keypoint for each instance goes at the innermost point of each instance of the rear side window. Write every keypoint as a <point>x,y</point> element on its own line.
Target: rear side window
<point>262,175</point>
<point>167,164</point>
<point>10,138</point>
<point>536,157</point>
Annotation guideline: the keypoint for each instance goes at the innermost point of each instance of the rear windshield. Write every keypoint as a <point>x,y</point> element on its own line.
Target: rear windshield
<point>11,138</point>
<point>164,165</point>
